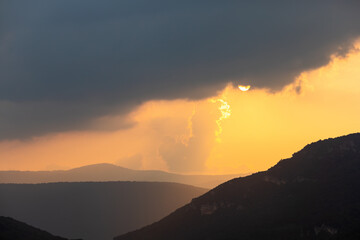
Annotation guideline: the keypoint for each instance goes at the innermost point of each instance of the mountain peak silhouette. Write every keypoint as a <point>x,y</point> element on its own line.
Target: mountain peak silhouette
<point>312,195</point>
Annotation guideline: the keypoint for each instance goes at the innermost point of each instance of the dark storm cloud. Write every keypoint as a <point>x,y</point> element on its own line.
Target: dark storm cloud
<point>94,58</point>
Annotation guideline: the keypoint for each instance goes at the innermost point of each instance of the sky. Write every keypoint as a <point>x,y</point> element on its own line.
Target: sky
<point>154,85</point>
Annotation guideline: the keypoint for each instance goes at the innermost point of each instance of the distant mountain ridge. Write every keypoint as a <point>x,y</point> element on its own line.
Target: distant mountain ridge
<point>109,172</point>
<point>93,210</point>
<point>313,195</point>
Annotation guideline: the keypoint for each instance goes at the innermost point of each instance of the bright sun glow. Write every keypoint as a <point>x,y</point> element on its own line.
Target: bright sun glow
<point>244,88</point>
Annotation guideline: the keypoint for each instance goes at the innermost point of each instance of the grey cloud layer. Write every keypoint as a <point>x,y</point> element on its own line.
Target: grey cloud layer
<point>85,59</point>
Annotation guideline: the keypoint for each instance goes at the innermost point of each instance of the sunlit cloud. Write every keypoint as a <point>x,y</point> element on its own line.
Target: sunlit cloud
<point>225,111</point>
<point>185,138</point>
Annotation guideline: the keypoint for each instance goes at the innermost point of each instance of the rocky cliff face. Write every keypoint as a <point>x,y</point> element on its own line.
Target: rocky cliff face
<point>313,195</point>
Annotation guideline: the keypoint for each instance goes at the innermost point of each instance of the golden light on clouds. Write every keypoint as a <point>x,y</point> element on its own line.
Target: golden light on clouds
<point>244,88</point>
<point>225,111</point>
<point>209,136</point>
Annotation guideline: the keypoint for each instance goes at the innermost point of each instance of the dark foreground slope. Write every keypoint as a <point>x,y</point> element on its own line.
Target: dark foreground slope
<point>313,195</point>
<point>108,172</point>
<point>11,229</point>
<point>93,211</point>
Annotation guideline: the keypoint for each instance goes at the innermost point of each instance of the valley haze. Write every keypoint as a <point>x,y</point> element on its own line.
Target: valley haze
<point>108,172</point>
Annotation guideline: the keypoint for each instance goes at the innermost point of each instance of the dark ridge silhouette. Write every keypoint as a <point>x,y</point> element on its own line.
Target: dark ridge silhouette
<point>10,229</point>
<point>313,195</point>
<point>109,172</point>
<point>93,211</point>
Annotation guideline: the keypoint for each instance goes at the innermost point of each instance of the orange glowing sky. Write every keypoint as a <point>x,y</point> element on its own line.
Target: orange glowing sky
<point>237,131</point>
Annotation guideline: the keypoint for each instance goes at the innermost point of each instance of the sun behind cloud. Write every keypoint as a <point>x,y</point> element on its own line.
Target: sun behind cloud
<point>259,128</point>
<point>244,88</point>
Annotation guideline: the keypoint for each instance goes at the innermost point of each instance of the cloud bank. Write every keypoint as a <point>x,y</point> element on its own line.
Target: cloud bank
<point>65,63</point>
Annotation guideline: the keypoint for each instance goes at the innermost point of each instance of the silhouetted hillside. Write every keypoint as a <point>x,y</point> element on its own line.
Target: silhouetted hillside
<point>313,195</point>
<point>108,172</point>
<point>93,211</point>
<point>11,229</point>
